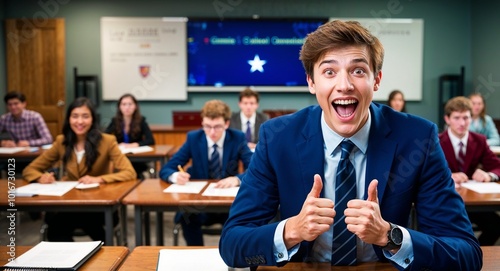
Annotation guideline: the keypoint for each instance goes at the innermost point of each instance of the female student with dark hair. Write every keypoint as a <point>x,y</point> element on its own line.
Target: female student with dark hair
<point>86,154</point>
<point>130,128</point>
<point>397,101</point>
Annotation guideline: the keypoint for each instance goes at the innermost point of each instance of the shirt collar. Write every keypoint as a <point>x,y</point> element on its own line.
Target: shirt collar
<point>332,139</point>
<point>455,140</point>
<point>219,142</point>
<point>24,116</point>
<point>244,119</point>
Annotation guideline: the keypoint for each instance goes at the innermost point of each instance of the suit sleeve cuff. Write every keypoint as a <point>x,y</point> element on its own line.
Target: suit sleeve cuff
<point>404,256</point>
<point>281,254</point>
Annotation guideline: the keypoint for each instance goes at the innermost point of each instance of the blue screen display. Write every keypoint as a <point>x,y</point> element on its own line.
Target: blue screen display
<point>238,52</point>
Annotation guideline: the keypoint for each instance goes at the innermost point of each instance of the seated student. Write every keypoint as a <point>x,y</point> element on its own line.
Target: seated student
<point>215,151</point>
<point>248,119</point>
<point>397,101</point>
<point>470,158</point>
<point>130,128</point>
<point>482,123</point>
<point>86,154</point>
<point>25,127</point>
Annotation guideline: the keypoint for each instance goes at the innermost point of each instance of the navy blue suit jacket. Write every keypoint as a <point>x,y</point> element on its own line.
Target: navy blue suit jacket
<point>195,148</point>
<point>403,154</point>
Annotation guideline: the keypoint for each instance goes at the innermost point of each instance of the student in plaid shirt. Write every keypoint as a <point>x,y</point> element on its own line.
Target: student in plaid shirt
<point>25,127</point>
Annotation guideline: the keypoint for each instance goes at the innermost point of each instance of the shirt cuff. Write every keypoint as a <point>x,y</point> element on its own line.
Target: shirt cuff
<point>494,177</point>
<point>173,178</point>
<point>281,254</point>
<point>404,256</point>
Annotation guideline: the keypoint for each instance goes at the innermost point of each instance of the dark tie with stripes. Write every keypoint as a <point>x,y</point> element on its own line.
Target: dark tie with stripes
<point>248,133</point>
<point>461,157</point>
<point>344,242</point>
<point>214,167</point>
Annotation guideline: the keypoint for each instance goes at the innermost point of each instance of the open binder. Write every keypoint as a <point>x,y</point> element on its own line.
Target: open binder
<point>54,256</point>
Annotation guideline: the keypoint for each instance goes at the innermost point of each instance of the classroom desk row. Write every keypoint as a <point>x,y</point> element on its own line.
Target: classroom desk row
<point>158,155</point>
<point>148,196</point>
<point>146,258</point>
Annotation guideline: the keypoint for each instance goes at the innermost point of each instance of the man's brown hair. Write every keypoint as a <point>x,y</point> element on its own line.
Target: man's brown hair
<point>457,104</point>
<point>215,109</point>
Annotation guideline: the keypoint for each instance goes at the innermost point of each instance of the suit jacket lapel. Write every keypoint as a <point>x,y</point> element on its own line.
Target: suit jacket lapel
<point>469,152</point>
<point>380,153</point>
<point>311,151</point>
<point>201,152</point>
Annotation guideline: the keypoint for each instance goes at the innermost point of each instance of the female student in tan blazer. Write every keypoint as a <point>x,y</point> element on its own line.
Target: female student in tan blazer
<point>86,154</point>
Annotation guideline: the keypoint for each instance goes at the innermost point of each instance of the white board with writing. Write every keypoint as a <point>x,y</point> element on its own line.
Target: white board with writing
<point>403,41</point>
<point>145,57</point>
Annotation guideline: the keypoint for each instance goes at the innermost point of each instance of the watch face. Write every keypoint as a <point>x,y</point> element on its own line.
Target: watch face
<point>396,235</point>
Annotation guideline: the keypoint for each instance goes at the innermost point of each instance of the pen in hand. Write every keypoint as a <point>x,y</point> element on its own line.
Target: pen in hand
<point>183,177</point>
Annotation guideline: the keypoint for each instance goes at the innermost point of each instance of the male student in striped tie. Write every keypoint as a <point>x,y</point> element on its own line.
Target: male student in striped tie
<point>470,158</point>
<point>307,164</point>
<point>215,151</point>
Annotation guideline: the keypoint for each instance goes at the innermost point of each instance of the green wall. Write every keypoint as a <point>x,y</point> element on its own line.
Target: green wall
<point>447,40</point>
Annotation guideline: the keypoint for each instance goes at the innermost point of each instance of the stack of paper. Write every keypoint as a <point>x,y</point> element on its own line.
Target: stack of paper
<point>211,191</point>
<point>189,187</point>
<point>12,150</point>
<point>55,256</point>
<point>482,188</point>
<point>136,150</point>
<point>52,189</point>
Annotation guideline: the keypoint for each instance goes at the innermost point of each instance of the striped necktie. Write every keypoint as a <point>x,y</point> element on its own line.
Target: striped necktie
<point>344,241</point>
<point>461,157</point>
<point>214,167</point>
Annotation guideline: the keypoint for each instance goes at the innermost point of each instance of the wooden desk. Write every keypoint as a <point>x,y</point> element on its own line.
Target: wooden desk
<point>479,202</point>
<point>171,135</point>
<point>148,197</point>
<point>158,155</point>
<point>146,258</point>
<point>104,199</point>
<point>22,156</point>
<point>107,258</point>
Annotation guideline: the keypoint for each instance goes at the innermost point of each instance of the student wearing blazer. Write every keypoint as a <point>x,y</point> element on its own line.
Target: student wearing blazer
<point>248,103</point>
<point>477,162</point>
<point>397,160</point>
<point>199,148</point>
<point>86,155</point>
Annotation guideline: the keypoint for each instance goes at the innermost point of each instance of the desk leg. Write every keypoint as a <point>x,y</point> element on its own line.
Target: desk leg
<point>138,225</point>
<point>108,220</point>
<point>159,228</point>
<point>123,223</point>
<point>147,229</point>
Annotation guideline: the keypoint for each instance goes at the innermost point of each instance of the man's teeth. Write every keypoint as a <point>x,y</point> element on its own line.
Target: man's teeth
<point>345,102</point>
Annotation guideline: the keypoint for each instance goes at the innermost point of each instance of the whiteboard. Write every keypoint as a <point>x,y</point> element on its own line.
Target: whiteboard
<point>403,41</point>
<point>145,57</point>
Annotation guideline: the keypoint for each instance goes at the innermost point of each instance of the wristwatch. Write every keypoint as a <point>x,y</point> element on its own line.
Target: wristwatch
<point>394,238</point>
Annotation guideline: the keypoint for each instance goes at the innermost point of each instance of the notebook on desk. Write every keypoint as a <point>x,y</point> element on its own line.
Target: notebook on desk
<point>54,256</point>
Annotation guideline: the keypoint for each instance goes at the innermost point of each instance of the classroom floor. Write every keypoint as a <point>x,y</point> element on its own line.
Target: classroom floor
<point>28,230</point>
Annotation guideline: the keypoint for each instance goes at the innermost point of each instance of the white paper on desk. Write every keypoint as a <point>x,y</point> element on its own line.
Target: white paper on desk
<point>12,150</point>
<point>481,187</point>
<point>51,189</point>
<point>136,149</point>
<point>495,149</point>
<point>190,259</point>
<point>211,191</point>
<point>189,187</point>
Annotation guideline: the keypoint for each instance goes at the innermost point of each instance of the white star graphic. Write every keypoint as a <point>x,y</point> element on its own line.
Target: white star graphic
<point>257,64</point>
